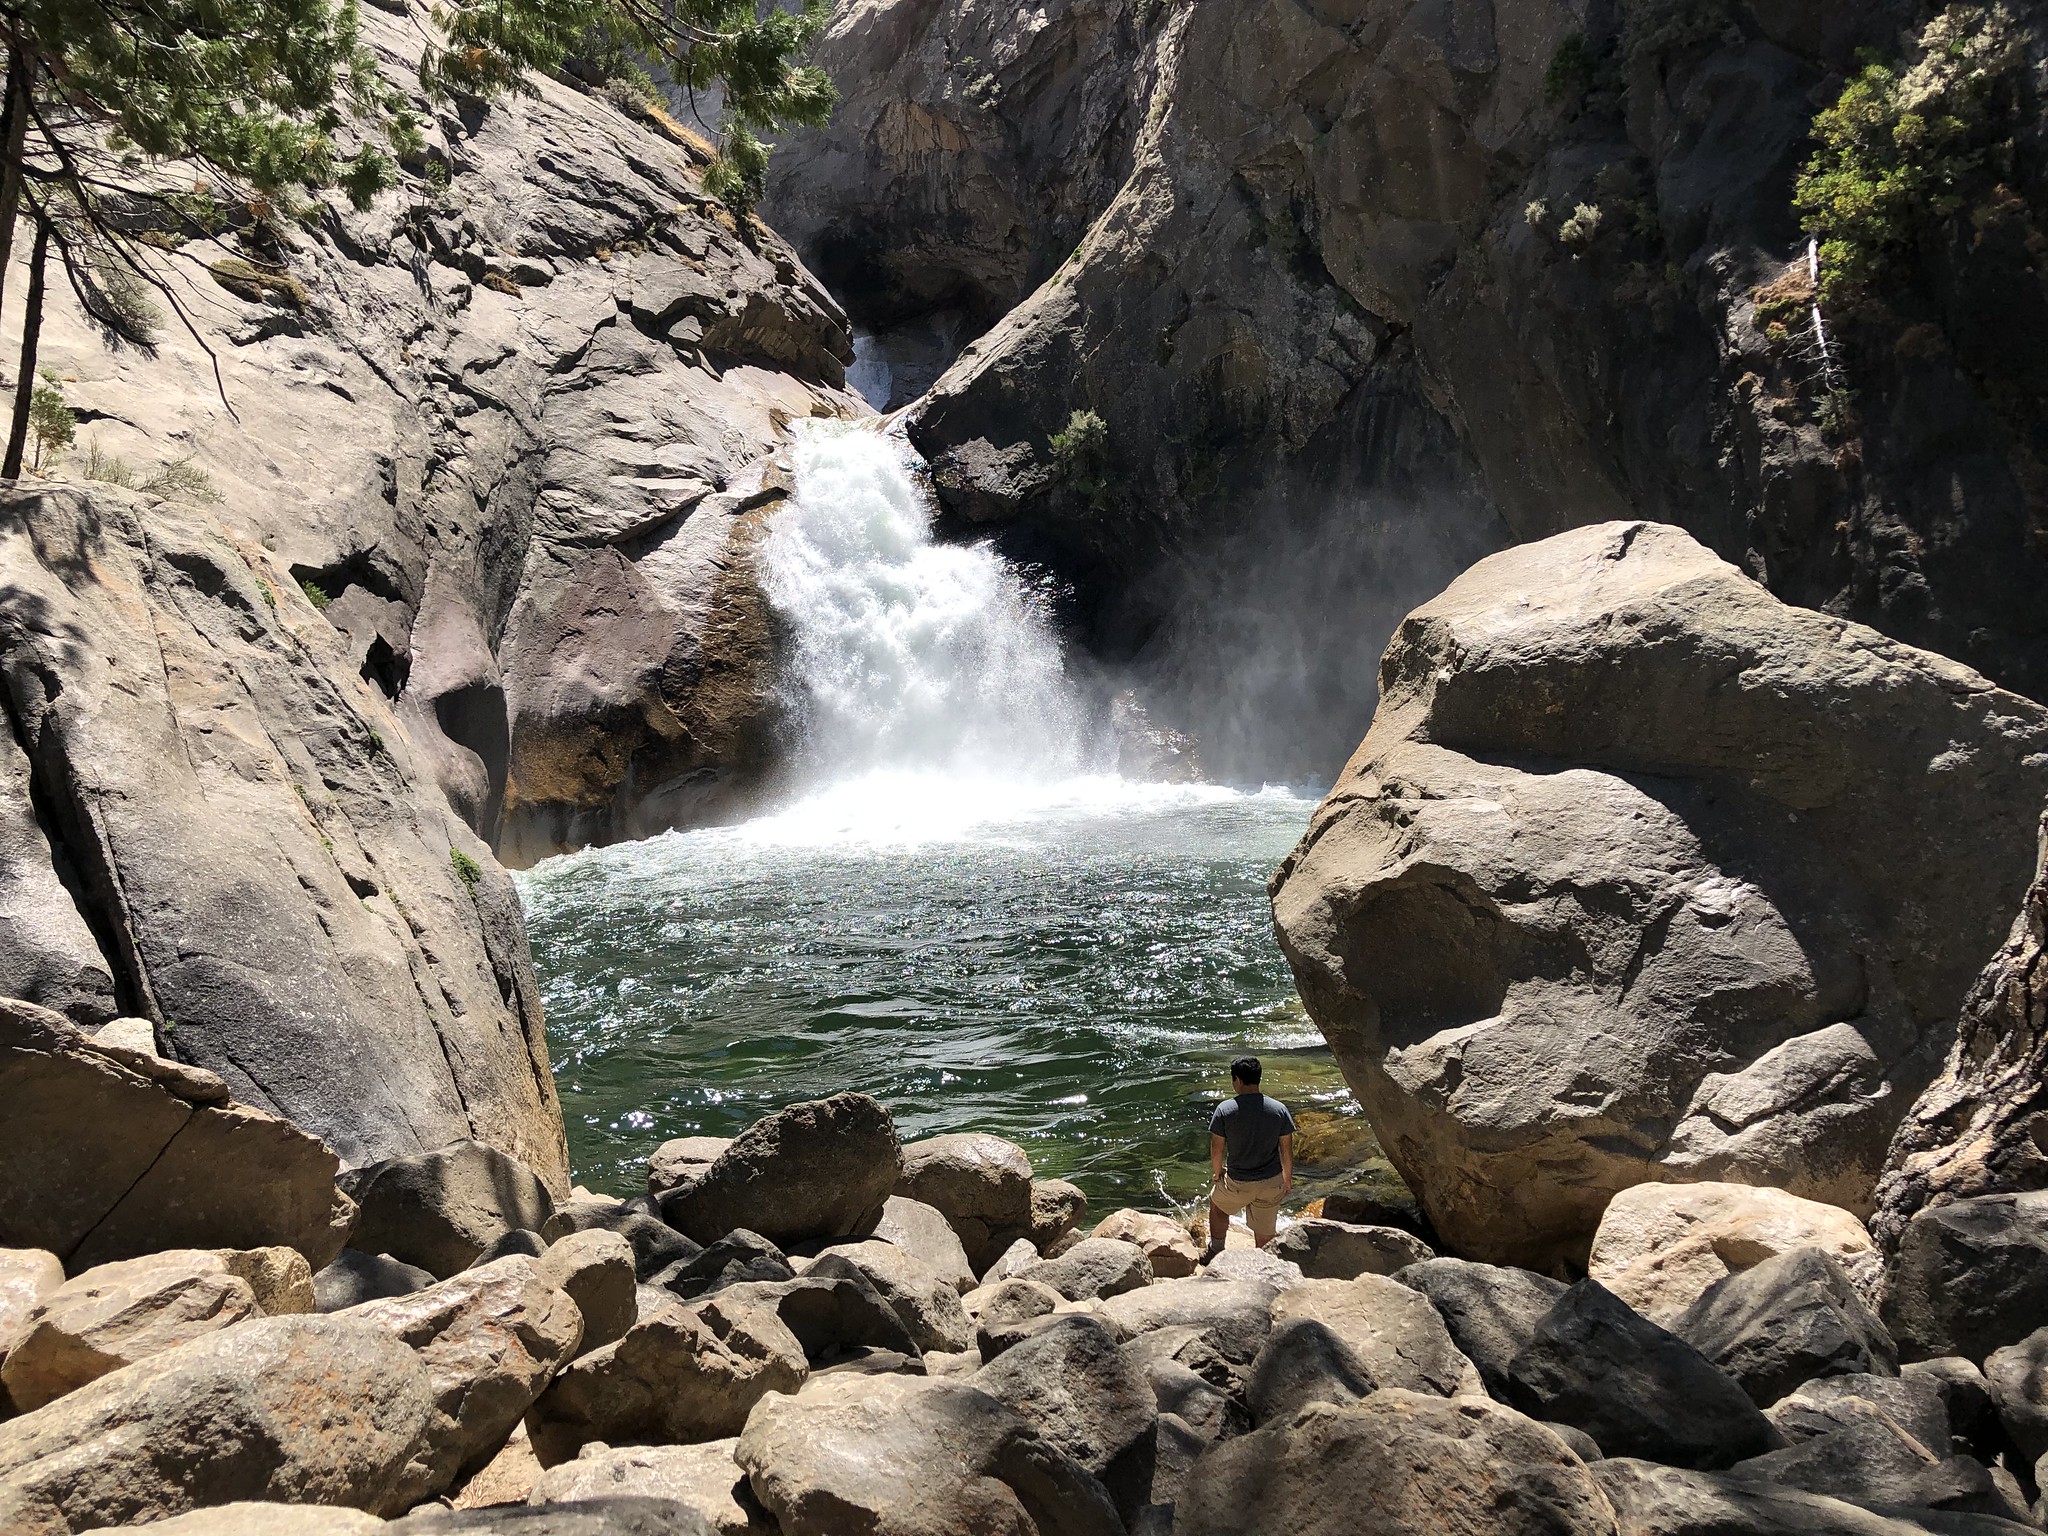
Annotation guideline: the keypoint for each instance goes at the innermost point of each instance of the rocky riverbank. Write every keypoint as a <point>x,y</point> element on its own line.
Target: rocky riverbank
<point>814,1329</point>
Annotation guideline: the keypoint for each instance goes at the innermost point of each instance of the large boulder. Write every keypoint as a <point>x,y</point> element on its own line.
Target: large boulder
<point>1069,1380</point>
<point>1056,1210</point>
<point>681,1160</point>
<point>923,1232</point>
<point>1340,1250</point>
<point>1002,1311</point>
<point>969,1176</point>
<point>701,1476</point>
<point>115,1314</point>
<point>1781,1323</point>
<point>910,1456</point>
<point>1303,1362</point>
<point>820,1169</point>
<point>1916,1404</point>
<point>1637,1390</point>
<point>1226,1322</point>
<point>1398,1463</point>
<point>927,1304</point>
<point>27,1275</point>
<point>491,1338</point>
<point>1872,1460</point>
<point>1642,875</point>
<point>442,1209</point>
<point>1969,1276</point>
<point>251,1518</point>
<point>1659,1246</point>
<point>1652,1500</point>
<point>107,1154</point>
<point>623,1515</point>
<point>1491,1312</point>
<point>1168,1246</point>
<point>1396,1334</point>
<point>689,1373</point>
<point>320,1410</point>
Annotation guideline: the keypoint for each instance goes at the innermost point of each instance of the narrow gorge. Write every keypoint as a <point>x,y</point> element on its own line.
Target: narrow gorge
<point>655,779</point>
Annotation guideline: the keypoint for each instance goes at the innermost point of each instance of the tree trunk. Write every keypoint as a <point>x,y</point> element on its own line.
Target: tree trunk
<point>31,334</point>
<point>13,135</point>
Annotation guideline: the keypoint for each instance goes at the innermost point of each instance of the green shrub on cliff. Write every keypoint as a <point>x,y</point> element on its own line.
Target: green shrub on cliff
<point>1903,148</point>
<point>1080,454</point>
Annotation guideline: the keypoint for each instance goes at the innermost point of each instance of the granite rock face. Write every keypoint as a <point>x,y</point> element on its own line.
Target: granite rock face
<point>471,570</point>
<point>1318,272</point>
<point>1641,874</point>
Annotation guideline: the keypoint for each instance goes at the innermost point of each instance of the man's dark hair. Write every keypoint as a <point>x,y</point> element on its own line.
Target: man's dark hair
<point>1246,1070</point>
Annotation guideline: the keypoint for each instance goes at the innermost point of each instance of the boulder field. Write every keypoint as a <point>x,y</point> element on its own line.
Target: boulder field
<point>485,1359</point>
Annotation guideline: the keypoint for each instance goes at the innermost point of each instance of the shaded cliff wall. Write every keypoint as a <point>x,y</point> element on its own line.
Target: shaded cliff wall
<point>1337,285</point>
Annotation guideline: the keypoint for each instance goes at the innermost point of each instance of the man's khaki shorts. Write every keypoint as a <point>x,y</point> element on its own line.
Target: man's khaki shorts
<point>1257,1200</point>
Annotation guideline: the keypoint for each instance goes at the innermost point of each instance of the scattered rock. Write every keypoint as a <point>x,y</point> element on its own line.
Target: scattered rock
<point>656,1244</point>
<point>1611,776</point>
<point>1785,1321</point>
<point>322,1410</point>
<point>679,1162</point>
<point>1491,1311</point>
<point>253,1519</point>
<point>1096,1267</point>
<point>1197,1402</point>
<point>1012,1262</point>
<point>1652,1500</point>
<point>356,1277</point>
<point>280,1277</point>
<point>623,1516</point>
<point>928,1305</point>
<point>107,1155</point>
<point>1420,1466</point>
<point>1917,1404</point>
<point>2018,1377</point>
<point>1170,1250</point>
<point>507,1478</point>
<point>738,1257</point>
<point>1068,1380</point>
<point>1229,1319</point>
<point>971,1176</point>
<point>832,1309</point>
<point>519,1244</point>
<point>1871,1460</point>
<point>1000,1311</point>
<point>1659,1246</point>
<point>689,1373</point>
<point>704,1477</point>
<point>594,1268</point>
<point>1636,1389</point>
<point>1970,1276</point>
<point>1056,1209</point>
<point>115,1314</point>
<point>491,1339</point>
<point>1394,1332</point>
<point>923,1232</point>
<point>27,1275</point>
<point>1303,1362</point>
<point>1256,1264</point>
<point>440,1210</point>
<point>1973,1425</point>
<point>821,1169</point>
<point>1337,1250</point>
<point>910,1456</point>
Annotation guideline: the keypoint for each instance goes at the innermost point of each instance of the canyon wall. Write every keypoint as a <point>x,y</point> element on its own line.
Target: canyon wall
<point>1321,273</point>
<point>429,536</point>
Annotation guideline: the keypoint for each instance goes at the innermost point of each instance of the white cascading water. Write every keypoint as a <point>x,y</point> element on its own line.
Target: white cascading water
<point>927,677</point>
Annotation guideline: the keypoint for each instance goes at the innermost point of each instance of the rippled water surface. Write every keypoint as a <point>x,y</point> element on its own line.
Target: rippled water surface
<point>1072,971</point>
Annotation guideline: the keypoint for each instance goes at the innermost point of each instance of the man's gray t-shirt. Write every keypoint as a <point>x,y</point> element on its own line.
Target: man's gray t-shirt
<point>1251,1126</point>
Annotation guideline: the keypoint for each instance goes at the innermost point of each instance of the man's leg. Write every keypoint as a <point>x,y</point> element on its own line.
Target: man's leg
<point>1219,1228</point>
<point>1263,1213</point>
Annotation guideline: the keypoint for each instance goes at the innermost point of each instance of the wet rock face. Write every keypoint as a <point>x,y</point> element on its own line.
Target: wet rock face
<point>1641,874</point>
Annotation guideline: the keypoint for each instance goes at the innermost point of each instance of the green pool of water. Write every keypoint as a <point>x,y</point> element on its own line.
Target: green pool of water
<point>1071,967</point>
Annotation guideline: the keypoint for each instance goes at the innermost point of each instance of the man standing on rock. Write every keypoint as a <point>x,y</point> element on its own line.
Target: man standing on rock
<point>1251,1155</point>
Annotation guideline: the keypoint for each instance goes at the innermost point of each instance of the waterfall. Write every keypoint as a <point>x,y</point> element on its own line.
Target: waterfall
<point>927,666</point>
